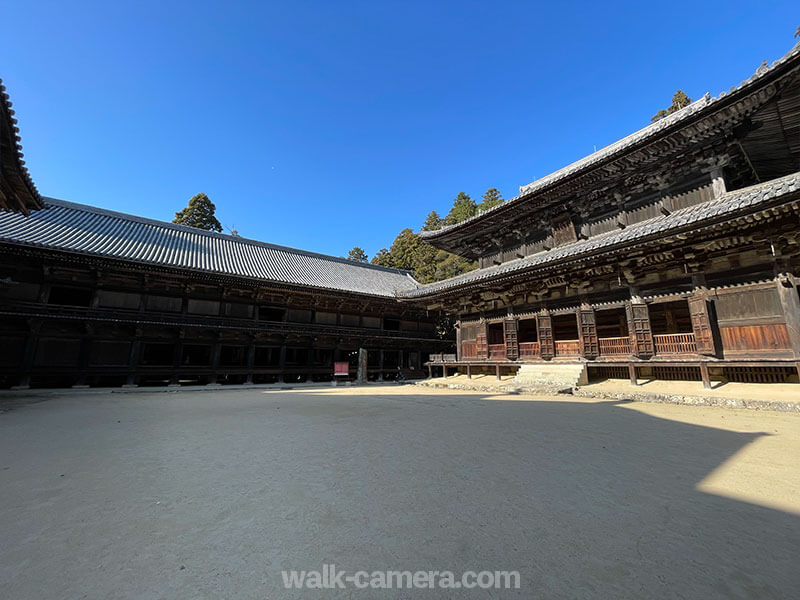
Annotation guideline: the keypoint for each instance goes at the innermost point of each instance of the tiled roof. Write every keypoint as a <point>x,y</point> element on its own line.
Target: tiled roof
<point>746,199</point>
<point>25,196</point>
<point>704,105</point>
<point>88,230</point>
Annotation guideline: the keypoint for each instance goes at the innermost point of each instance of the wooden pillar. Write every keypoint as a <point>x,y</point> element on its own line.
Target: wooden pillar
<point>363,363</point>
<point>632,373</point>
<point>497,371</point>
<point>310,363</point>
<point>28,354</point>
<point>430,371</point>
<point>133,360</point>
<point>380,364</point>
<point>718,187</point>
<point>251,361</point>
<point>787,286</point>
<point>458,340</point>
<point>282,363</point>
<point>704,375</point>
<point>80,380</point>
<point>177,353</point>
<point>215,353</point>
<point>469,372</point>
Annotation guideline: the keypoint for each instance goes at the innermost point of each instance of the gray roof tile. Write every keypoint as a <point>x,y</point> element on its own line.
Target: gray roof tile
<point>85,229</point>
<point>726,204</point>
<point>706,104</point>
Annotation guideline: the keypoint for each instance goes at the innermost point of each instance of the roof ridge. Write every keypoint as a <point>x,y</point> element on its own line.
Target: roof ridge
<point>610,149</point>
<point>49,201</point>
<point>16,143</point>
<point>498,270</point>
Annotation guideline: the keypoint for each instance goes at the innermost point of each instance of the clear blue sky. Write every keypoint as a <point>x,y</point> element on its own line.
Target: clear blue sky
<point>324,125</point>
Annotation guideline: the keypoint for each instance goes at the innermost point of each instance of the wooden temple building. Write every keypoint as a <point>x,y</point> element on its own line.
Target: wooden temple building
<point>673,253</point>
<point>90,297</point>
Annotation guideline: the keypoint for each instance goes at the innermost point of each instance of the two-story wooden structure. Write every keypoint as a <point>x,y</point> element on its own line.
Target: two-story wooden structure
<point>94,297</point>
<point>672,253</point>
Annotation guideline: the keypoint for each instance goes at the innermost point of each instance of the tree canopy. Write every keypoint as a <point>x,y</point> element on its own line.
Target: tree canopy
<point>357,254</point>
<point>429,264</point>
<point>490,199</point>
<point>679,100</point>
<point>432,222</point>
<point>199,213</point>
<point>463,208</point>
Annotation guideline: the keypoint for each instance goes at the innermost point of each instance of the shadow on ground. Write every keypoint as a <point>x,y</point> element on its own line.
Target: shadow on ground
<point>586,500</point>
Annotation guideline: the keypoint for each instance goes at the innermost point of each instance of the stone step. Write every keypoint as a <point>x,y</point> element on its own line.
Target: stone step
<point>570,375</point>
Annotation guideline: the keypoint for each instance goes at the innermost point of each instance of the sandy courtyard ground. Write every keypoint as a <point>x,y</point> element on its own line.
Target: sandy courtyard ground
<point>212,494</point>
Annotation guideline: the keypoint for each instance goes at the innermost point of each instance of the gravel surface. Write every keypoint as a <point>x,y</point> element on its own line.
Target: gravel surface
<point>212,494</point>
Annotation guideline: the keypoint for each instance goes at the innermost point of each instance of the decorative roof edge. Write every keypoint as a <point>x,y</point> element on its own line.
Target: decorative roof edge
<point>235,238</point>
<point>773,188</point>
<point>609,151</point>
<point>5,106</point>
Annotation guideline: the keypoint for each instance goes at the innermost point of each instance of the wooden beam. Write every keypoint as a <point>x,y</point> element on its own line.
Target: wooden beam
<point>704,375</point>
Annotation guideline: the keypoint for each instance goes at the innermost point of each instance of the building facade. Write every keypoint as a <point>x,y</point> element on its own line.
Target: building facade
<point>98,298</point>
<point>673,253</point>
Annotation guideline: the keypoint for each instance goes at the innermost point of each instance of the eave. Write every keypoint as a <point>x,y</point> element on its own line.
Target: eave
<point>17,191</point>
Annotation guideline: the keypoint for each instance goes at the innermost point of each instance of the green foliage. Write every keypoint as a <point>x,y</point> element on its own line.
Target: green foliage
<point>427,263</point>
<point>199,213</point>
<point>432,222</point>
<point>463,208</point>
<point>449,265</point>
<point>357,254</point>
<point>383,258</point>
<point>679,100</point>
<point>404,250</point>
<point>491,199</point>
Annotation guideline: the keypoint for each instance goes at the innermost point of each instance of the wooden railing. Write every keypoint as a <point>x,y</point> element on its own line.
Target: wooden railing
<point>568,347</point>
<point>675,343</point>
<point>497,351</point>
<point>615,346</point>
<point>469,350</point>
<point>529,350</point>
<point>442,358</point>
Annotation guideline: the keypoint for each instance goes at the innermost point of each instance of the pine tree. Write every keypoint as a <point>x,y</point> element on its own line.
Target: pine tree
<point>357,254</point>
<point>491,199</point>
<point>679,101</point>
<point>382,258</point>
<point>199,213</point>
<point>464,207</point>
<point>432,222</point>
<point>404,250</point>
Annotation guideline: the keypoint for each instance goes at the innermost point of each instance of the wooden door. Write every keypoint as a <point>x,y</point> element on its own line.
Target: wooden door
<point>639,327</point>
<point>511,339</point>
<point>701,325</point>
<point>481,342</point>
<point>587,328</point>
<point>544,326</point>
